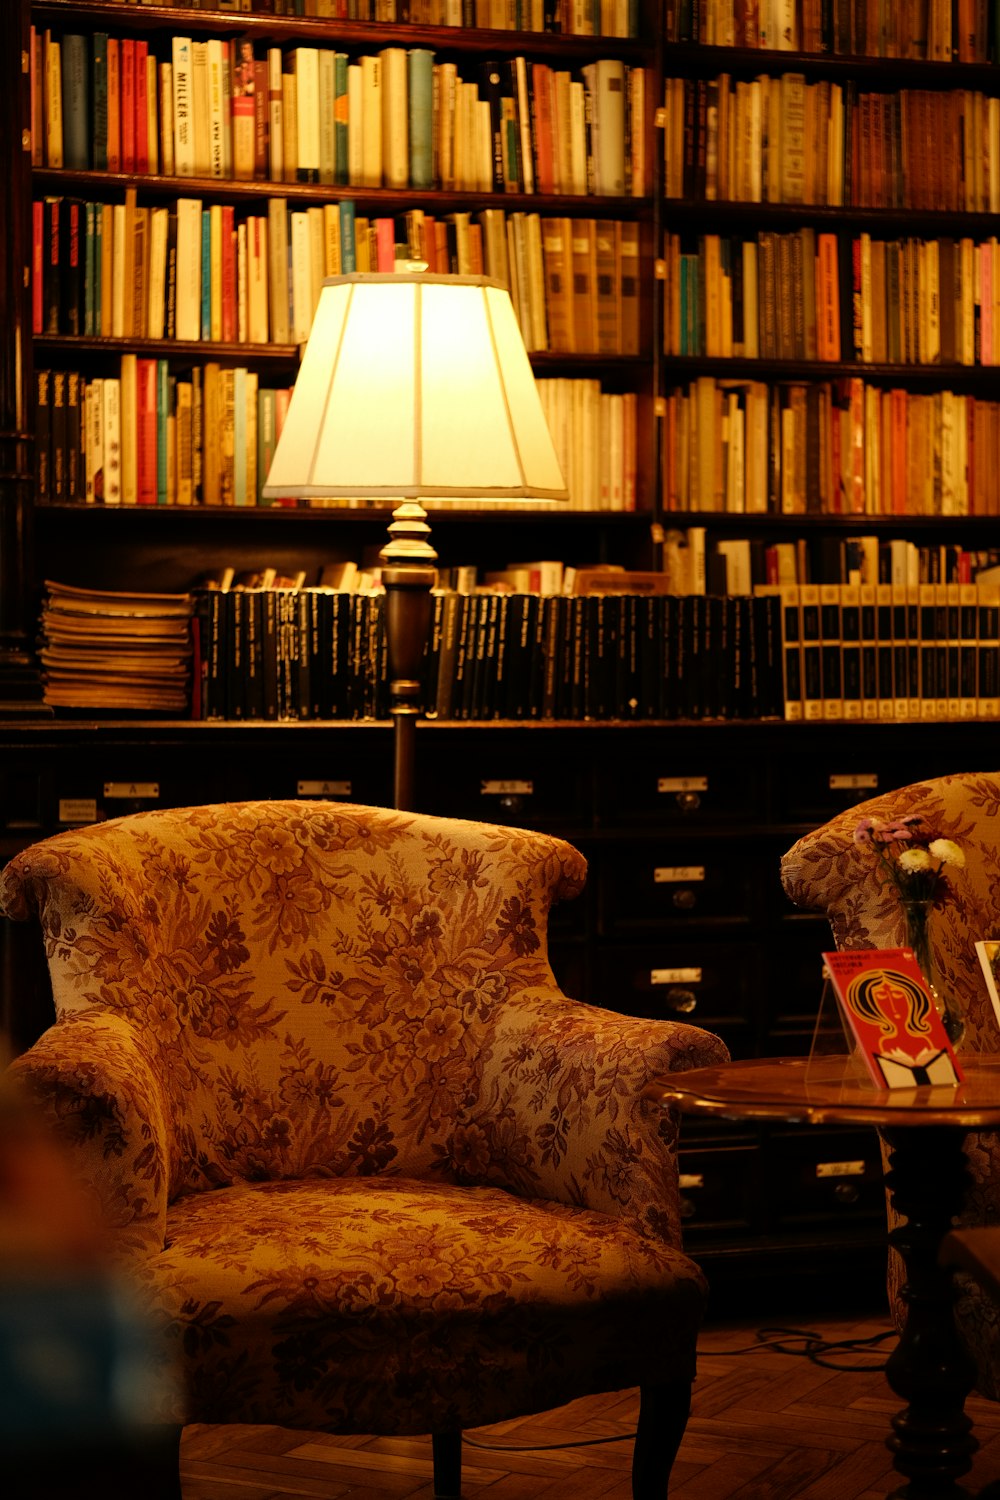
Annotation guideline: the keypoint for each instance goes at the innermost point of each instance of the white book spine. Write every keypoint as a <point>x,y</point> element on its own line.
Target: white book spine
<point>200,109</point>
<point>395,116</point>
<point>307,107</point>
<point>183,111</point>
<point>216,147</point>
<point>355,125</point>
<point>327,147</point>
<point>111,391</point>
<point>371,121</point>
<point>188,289</point>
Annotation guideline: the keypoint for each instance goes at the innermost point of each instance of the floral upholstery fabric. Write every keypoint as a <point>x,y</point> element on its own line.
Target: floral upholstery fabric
<point>826,871</point>
<point>375,1172</point>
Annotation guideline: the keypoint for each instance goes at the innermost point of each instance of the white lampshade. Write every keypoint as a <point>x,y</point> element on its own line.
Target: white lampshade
<point>415,387</point>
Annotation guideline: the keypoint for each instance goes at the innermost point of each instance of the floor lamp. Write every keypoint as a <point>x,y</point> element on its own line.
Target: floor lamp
<point>417,389</point>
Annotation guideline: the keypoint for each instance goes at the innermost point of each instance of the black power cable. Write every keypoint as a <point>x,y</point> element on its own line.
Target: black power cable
<point>814,1348</point>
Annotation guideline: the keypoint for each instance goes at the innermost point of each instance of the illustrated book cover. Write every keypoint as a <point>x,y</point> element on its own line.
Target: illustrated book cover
<point>892,1017</point>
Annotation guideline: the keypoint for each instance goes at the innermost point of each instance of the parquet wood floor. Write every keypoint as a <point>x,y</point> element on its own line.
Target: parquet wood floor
<point>765,1425</point>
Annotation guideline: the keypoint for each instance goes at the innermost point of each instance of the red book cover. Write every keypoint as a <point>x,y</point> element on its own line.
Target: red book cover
<point>141,127</point>
<point>128,104</point>
<point>145,370</point>
<point>892,1017</point>
<point>228,275</point>
<point>114,105</point>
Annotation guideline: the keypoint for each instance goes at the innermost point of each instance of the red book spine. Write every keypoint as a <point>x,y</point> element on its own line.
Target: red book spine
<point>261,122</point>
<point>385,244</point>
<point>141,127</point>
<point>128,104</point>
<point>541,80</point>
<point>146,434</point>
<point>37,264</point>
<point>114,105</point>
<point>229,289</point>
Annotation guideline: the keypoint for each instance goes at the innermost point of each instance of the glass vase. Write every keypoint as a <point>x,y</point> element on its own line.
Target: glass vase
<point>917,915</point>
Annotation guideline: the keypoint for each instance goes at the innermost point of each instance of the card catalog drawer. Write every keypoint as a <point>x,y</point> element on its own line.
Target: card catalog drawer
<point>666,787</point>
<point>716,1188</point>
<point>819,1175</point>
<point>708,983</point>
<point>512,784</point>
<point>674,882</point>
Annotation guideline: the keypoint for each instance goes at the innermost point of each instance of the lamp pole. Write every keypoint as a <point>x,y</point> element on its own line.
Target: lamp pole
<point>408,574</point>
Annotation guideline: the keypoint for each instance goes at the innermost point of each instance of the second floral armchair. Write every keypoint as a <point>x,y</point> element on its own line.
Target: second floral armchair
<point>836,870</point>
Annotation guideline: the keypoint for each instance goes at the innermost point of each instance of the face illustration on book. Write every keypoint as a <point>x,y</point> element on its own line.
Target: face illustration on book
<point>892,1017</point>
<point>899,1017</point>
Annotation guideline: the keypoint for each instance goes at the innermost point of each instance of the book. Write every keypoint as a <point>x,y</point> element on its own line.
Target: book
<point>988,953</point>
<point>896,1027</point>
<point>76,79</point>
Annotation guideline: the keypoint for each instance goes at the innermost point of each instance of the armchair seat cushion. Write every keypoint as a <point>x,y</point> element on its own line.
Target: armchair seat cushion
<point>368,1291</point>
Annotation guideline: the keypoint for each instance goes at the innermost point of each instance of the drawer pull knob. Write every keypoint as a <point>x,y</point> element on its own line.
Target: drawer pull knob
<point>688,801</point>
<point>684,1001</point>
<point>685,899</point>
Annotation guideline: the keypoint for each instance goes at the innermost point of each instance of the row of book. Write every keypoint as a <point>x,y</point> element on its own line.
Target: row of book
<point>695,562</point>
<point>318,653</point>
<point>103,650</point>
<point>782,139</point>
<point>953,31</point>
<point>594,433</point>
<point>570,17</point>
<point>199,272</point>
<point>835,447</point>
<point>884,652</point>
<point>152,435</point>
<point>396,118</point>
<point>805,295</point>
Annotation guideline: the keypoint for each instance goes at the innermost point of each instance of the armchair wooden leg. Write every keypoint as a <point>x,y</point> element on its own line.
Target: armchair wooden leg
<point>663,1414</point>
<point>447,1451</point>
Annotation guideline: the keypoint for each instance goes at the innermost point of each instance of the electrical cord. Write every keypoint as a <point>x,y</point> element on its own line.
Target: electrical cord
<point>814,1348</point>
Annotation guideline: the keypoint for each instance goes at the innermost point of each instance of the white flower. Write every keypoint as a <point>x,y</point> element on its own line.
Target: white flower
<point>912,860</point>
<point>947,851</point>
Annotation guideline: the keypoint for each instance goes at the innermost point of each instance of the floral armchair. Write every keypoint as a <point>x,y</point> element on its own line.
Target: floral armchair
<point>829,871</point>
<point>373,1170</point>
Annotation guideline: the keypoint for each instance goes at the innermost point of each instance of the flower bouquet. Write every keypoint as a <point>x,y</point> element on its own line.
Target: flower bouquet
<point>914,862</point>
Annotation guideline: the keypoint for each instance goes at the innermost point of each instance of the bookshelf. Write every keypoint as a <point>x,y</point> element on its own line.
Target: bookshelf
<point>734,793</point>
<point>829,234</point>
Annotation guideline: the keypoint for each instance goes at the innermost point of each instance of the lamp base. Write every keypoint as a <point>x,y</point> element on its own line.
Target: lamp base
<point>408,573</point>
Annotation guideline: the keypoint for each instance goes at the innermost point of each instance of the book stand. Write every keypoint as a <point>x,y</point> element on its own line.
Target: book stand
<point>831,1037</point>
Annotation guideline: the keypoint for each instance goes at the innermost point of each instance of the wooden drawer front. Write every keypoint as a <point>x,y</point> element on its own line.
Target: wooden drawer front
<point>813,788</point>
<point>716,1187</point>
<point>512,785</point>
<point>25,797</point>
<point>673,882</point>
<point>822,1175</point>
<point>666,789</point>
<point>707,983</point>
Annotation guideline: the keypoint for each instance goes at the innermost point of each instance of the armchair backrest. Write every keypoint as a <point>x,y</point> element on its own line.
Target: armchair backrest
<point>311,979</point>
<point>827,871</point>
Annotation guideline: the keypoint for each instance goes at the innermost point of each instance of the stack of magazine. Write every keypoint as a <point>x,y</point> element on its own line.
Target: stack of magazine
<point>103,650</point>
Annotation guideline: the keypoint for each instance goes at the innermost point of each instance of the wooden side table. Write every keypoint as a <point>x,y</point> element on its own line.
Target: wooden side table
<point>924,1128</point>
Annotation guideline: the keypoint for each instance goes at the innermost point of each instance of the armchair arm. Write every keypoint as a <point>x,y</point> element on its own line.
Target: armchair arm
<point>91,1082</point>
<point>559,1113</point>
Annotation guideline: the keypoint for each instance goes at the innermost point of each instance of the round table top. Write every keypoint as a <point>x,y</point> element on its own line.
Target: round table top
<point>831,1091</point>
